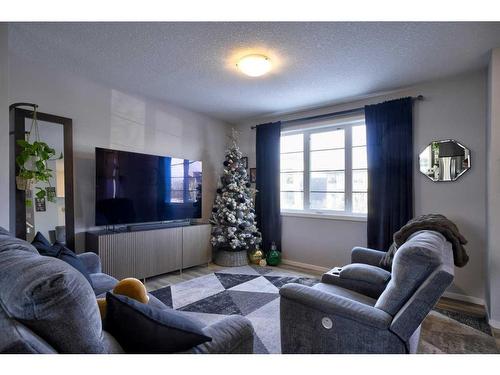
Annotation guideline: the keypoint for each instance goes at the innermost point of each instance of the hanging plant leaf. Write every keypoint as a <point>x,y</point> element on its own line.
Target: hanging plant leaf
<point>40,194</point>
<point>32,160</point>
<point>21,159</point>
<point>40,165</point>
<point>23,143</point>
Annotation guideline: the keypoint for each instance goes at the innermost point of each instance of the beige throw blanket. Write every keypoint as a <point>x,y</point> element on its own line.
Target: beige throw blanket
<point>435,222</point>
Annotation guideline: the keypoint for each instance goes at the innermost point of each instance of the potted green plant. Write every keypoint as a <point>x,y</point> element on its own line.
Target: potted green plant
<point>32,162</point>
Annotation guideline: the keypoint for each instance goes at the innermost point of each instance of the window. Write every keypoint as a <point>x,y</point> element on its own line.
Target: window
<point>185,180</point>
<point>324,170</point>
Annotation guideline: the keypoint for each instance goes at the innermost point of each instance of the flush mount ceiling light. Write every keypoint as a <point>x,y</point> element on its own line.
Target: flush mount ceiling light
<point>254,65</point>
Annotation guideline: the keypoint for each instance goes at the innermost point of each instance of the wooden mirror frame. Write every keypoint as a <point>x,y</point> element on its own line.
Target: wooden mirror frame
<point>18,118</point>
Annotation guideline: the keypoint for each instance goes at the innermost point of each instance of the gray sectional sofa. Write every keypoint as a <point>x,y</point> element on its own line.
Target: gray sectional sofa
<point>369,310</point>
<point>46,306</point>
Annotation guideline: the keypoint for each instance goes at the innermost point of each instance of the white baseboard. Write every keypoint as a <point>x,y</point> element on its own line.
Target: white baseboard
<point>494,323</point>
<point>305,265</point>
<point>464,298</point>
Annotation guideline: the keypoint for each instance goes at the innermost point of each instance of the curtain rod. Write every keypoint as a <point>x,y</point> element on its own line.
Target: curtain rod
<point>333,114</point>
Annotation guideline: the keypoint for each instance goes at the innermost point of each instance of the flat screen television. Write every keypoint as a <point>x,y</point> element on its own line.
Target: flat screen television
<point>140,188</point>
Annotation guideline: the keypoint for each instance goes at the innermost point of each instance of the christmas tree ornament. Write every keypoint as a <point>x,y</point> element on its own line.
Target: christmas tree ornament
<point>256,255</point>
<point>263,263</point>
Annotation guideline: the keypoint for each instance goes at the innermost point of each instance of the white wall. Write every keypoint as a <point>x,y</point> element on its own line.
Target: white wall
<point>4,128</point>
<point>453,108</point>
<point>493,196</point>
<point>107,117</point>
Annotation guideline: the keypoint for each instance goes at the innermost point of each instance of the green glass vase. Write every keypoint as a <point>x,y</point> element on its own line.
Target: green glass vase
<point>274,257</point>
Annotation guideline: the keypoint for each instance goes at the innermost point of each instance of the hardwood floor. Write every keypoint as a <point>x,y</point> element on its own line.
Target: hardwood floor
<point>176,277</point>
<point>461,307</point>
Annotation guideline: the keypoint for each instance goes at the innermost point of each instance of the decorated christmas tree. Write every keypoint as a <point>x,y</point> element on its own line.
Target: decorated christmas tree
<point>234,227</point>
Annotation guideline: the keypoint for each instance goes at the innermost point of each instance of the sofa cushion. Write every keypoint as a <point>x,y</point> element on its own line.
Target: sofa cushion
<point>52,299</point>
<point>91,261</point>
<point>17,338</point>
<point>155,302</point>
<point>365,272</point>
<point>141,328</point>
<point>102,283</point>
<point>112,346</point>
<point>9,242</point>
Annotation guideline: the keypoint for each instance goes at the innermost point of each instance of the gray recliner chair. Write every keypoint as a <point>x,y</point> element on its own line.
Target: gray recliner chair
<point>329,318</point>
<point>46,306</point>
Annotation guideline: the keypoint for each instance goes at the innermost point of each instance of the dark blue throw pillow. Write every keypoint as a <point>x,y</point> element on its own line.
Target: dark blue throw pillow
<point>140,328</point>
<point>70,257</point>
<point>43,246</point>
<point>60,251</point>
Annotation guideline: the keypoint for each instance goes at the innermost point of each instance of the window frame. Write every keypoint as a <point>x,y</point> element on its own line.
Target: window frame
<point>312,128</point>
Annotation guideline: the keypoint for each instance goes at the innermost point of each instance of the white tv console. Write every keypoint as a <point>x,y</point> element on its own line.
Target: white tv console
<point>148,253</point>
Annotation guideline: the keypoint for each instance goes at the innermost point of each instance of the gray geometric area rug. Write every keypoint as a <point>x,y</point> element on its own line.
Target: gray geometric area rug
<point>248,290</point>
<point>253,292</point>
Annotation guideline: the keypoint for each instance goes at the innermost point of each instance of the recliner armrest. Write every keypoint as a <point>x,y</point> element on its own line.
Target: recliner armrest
<point>365,272</point>
<point>232,335</point>
<point>336,305</point>
<point>359,277</point>
<point>366,256</point>
<point>91,261</point>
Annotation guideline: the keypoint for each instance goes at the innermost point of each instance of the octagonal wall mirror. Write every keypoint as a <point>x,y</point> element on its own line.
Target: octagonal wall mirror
<point>444,160</point>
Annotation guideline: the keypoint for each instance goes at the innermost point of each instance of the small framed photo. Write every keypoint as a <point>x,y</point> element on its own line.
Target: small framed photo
<point>253,175</point>
<point>244,160</point>
<point>40,205</point>
<point>51,193</point>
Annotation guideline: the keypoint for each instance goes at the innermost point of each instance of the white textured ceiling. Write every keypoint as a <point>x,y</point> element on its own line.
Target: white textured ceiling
<point>192,64</point>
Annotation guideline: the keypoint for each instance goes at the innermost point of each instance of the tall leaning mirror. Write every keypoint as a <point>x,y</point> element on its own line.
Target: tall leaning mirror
<point>43,175</point>
<point>444,160</point>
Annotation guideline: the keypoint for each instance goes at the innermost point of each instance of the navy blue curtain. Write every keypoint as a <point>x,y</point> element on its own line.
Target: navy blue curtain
<point>389,138</point>
<point>267,203</point>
